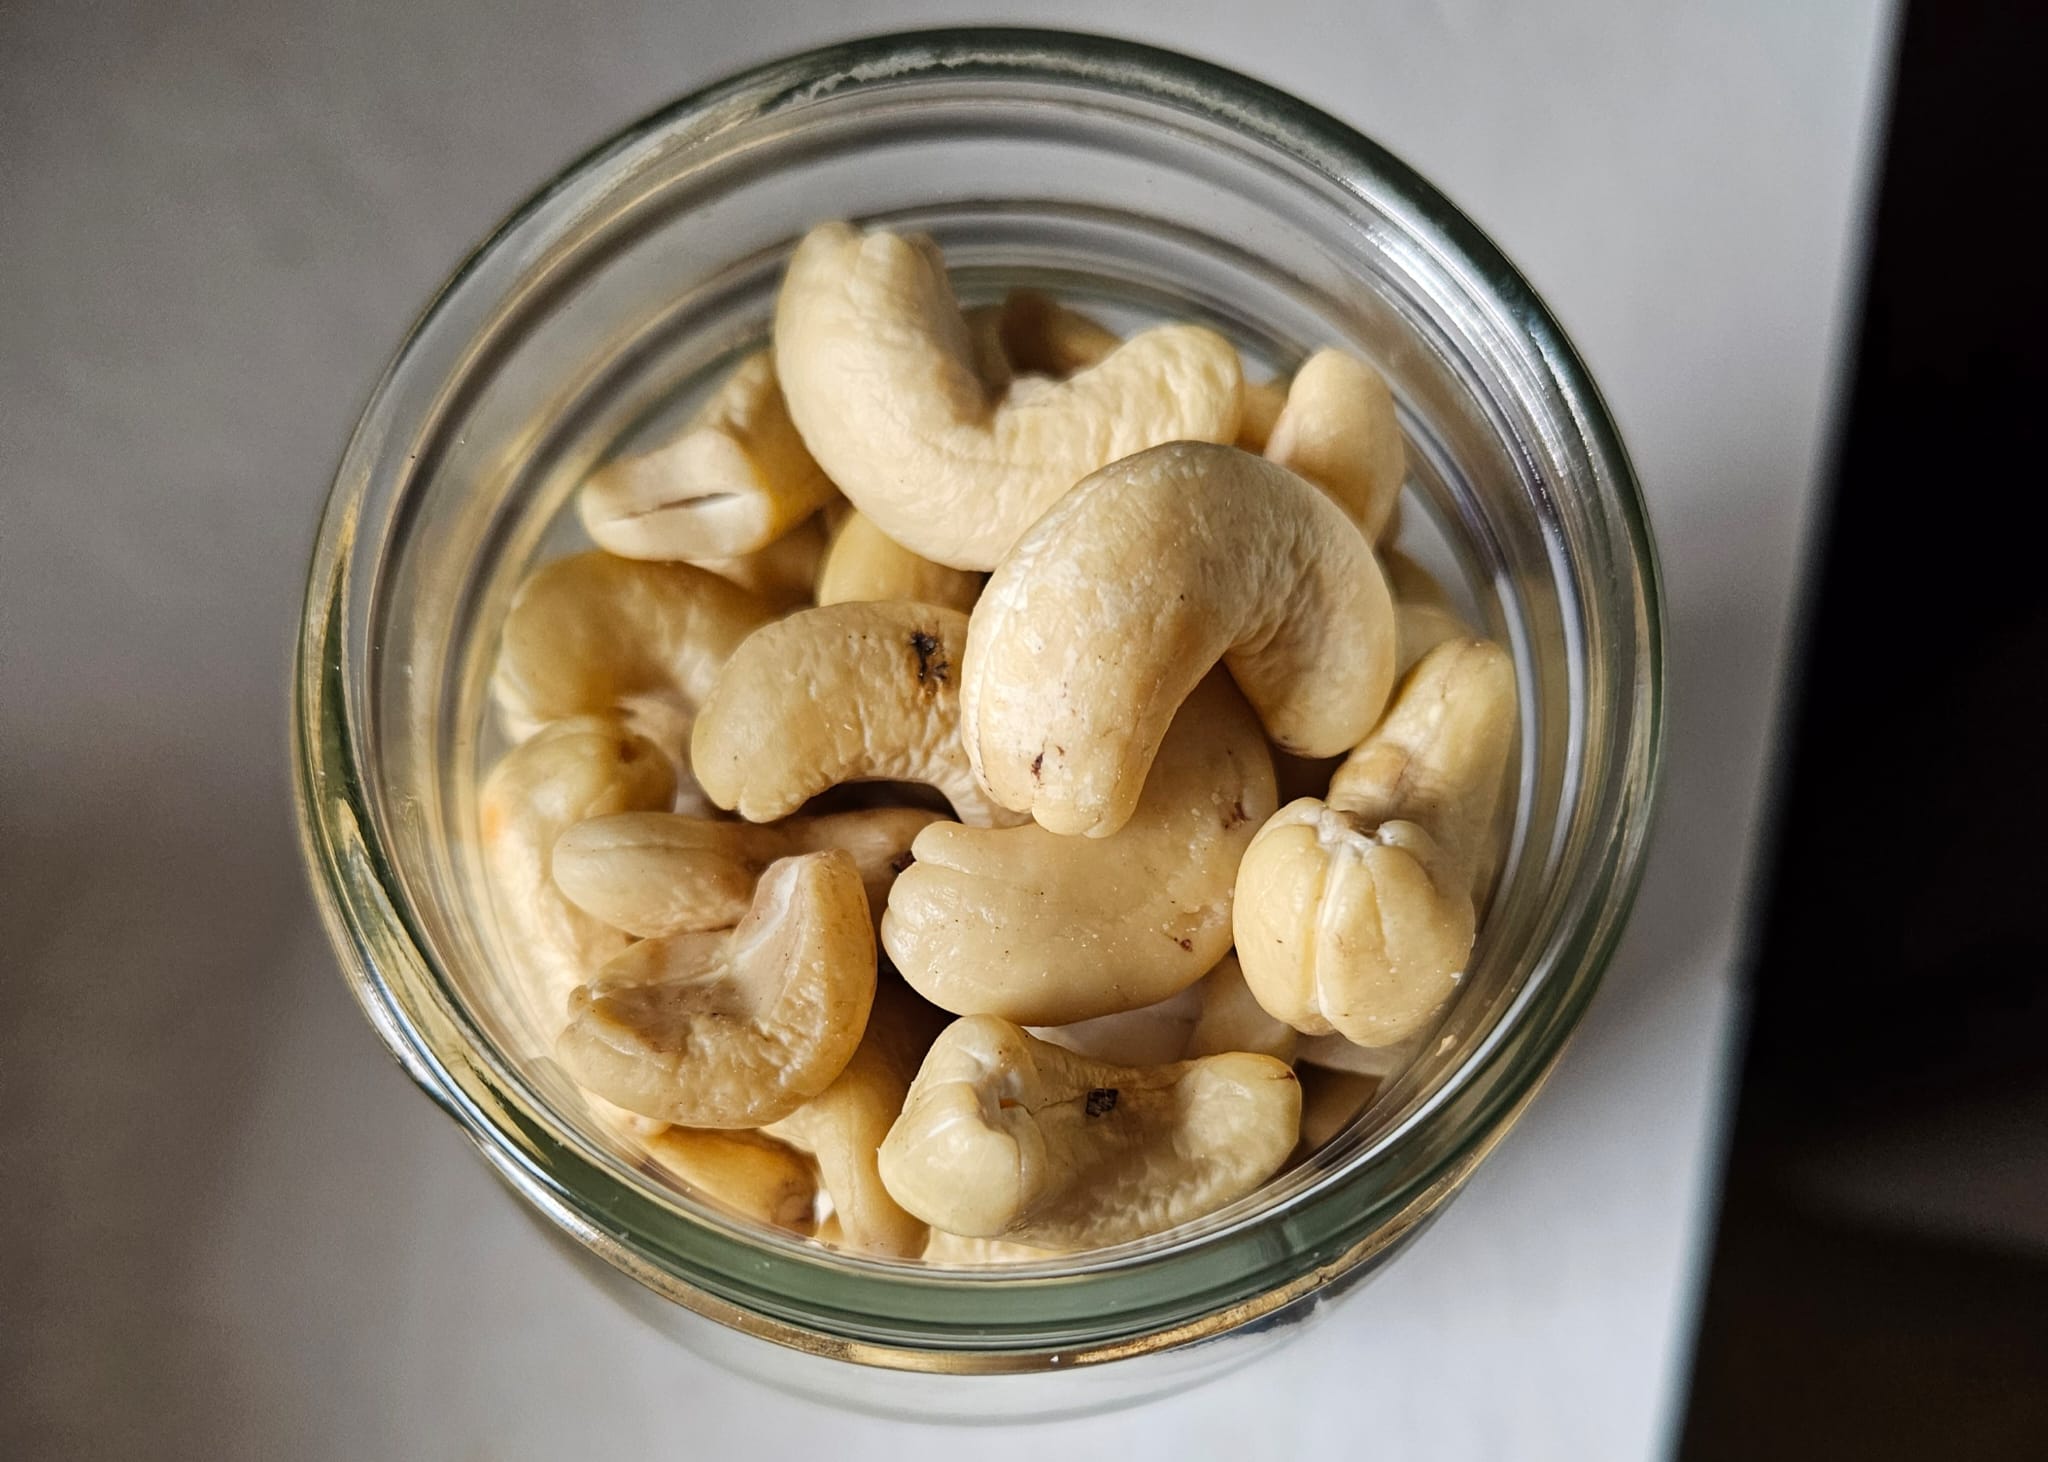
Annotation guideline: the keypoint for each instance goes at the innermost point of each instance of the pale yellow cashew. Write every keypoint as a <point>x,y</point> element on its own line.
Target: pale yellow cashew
<point>740,1028</point>
<point>1006,1136</point>
<point>1356,914</point>
<point>736,479</point>
<point>783,573</point>
<point>593,633</point>
<point>1215,1014</point>
<point>1263,403</point>
<point>659,873</point>
<point>1233,1020</point>
<point>751,1173</point>
<point>1338,429</point>
<point>1120,599</point>
<point>588,766</point>
<point>843,1127</point>
<point>879,370</point>
<point>1423,613</point>
<point>864,565</point>
<point>842,693</point>
<point>1043,930</point>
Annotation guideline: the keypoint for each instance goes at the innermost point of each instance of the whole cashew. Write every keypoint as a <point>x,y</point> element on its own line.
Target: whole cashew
<point>734,481</point>
<point>1356,914</point>
<point>1005,1136</point>
<point>879,372</point>
<point>588,766</point>
<point>864,565</point>
<point>843,1127</point>
<point>593,633</point>
<point>842,693</point>
<point>1122,597</point>
<point>1215,1014</point>
<point>1043,930</point>
<point>751,1173</point>
<point>1338,429</point>
<point>735,1029</point>
<point>782,573</point>
<point>659,873</point>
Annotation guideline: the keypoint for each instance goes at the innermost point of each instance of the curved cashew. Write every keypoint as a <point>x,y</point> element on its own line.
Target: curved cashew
<point>1356,914</point>
<point>1215,1014</point>
<point>588,766</point>
<point>735,1029</point>
<point>1424,616</point>
<point>1338,429</point>
<point>843,1127</point>
<point>737,479</point>
<point>864,565</point>
<point>751,1173</point>
<point>1121,598</point>
<point>879,371</point>
<point>843,693</point>
<point>1040,929</point>
<point>593,632</point>
<point>659,873</point>
<point>782,573</point>
<point>1005,1136</point>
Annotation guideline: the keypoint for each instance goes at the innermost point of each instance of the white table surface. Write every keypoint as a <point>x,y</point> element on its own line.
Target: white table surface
<point>231,1228</point>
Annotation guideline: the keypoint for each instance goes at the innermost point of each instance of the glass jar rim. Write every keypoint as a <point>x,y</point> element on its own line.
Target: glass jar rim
<point>959,1320</point>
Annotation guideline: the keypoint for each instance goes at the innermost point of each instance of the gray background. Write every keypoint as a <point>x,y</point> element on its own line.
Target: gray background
<point>229,1226</point>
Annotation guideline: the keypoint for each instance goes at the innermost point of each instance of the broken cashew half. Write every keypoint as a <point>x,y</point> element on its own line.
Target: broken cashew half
<point>1121,598</point>
<point>740,1028</point>
<point>864,565</point>
<point>1338,429</point>
<point>735,480</point>
<point>879,371</point>
<point>659,873</point>
<point>1007,1136</point>
<point>1355,914</point>
<point>755,1175</point>
<point>842,693</point>
<point>1040,929</point>
<point>589,766</point>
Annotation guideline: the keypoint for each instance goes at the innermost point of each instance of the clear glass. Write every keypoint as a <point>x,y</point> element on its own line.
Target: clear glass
<point>1110,173</point>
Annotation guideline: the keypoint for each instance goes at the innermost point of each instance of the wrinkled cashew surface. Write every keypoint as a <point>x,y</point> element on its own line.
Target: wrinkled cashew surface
<point>1091,634</point>
<point>1339,430</point>
<point>588,766</point>
<point>864,564</point>
<point>878,367</point>
<point>841,693</point>
<point>1043,929</point>
<point>735,480</point>
<point>1006,1136</point>
<point>740,1028</point>
<point>1355,914</point>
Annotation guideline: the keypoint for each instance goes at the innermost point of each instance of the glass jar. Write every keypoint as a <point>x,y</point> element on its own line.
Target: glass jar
<point>1114,174</point>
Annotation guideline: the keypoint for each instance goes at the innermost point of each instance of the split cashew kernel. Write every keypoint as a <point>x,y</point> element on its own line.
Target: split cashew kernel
<point>842,693</point>
<point>1043,930</point>
<point>589,766</point>
<point>593,632</point>
<point>734,1029</point>
<point>865,565</point>
<point>737,479</point>
<point>879,370</point>
<point>1355,914</point>
<point>659,873</point>
<point>1338,429</point>
<point>751,1173</point>
<point>1006,1136</point>
<point>1121,598</point>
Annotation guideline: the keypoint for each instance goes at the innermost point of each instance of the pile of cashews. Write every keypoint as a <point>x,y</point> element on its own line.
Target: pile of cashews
<point>1103,600</point>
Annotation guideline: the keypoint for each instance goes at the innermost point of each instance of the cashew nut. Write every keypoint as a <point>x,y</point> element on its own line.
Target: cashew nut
<point>734,481</point>
<point>755,1175</point>
<point>1121,598</point>
<point>782,573</point>
<point>593,632</point>
<point>842,693</point>
<point>588,766</point>
<point>1006,1136</point>
<point>659,873</point>
<point>864,564</point>
<point>1355,914</point>
<point>1263,403</point>
<point>1338,429</point>
<point>740,1028</point>
<point>1041,336</point>
<point>1215,1014</point>
<point>1043,930</point>
<point>843,1127</point>
<point>1233,1020</point>
<point>879,372</point>
<point>1379,1062</point>
<point>1423,613</point>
